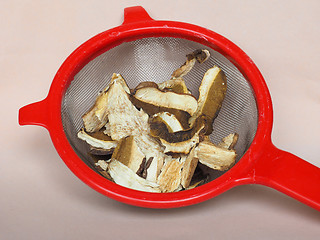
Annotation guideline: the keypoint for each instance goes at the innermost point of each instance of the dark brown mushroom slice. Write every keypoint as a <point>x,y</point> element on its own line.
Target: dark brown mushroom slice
<point>100,151</point>
<point>183,141</point>
<point>161,130</point>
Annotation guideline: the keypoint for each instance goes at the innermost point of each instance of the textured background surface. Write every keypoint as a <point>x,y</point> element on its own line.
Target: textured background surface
<point>41,199</point>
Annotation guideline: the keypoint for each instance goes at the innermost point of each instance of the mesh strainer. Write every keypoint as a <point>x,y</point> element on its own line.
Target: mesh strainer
<point>142,49</point>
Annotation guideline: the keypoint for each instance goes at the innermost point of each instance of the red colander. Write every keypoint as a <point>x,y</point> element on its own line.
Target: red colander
<point>143,49</point>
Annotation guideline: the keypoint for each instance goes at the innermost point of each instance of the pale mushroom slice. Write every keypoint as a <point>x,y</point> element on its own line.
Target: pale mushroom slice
<point>98,141</point>
<point>200,55</point>
<point>211,95</point>
<point>156,97</point>
<point>151,110</point>
<point>215,157</point>
<point>128,153</point>
<point>126,120</point>
<point>169,120</point>
<point>229,141</point>
<point>170,176</point>
<point>96,117</point>
<point>189,167</point>
<point>143,85</point>
<point>176,83</point>
<point>102,164</point>
<point>125,177</point>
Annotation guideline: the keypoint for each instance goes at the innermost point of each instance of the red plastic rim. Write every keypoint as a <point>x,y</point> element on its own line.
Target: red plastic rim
<point>142,27</point>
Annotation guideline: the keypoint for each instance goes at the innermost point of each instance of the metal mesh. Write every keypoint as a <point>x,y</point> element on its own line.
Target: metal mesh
<point>154,59</point>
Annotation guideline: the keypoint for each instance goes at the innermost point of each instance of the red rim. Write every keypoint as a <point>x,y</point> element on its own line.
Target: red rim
<point>134,29</point>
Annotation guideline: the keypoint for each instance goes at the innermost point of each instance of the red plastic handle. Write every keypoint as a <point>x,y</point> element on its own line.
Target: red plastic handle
<point>35,114</point>
<point>135,14</point>
<point>289,174</point>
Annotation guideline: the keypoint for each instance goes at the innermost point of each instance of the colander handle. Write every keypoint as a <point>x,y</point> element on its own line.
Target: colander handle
<point>289,174</point>
<point>135,14</point>
<point>34,114</point>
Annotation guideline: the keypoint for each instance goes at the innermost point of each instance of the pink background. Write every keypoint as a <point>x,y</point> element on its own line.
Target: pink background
<point>40,197</point>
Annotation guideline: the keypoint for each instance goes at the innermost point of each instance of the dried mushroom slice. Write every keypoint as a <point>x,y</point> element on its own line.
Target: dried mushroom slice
<point>102,164</point>
<point>126,120</point>
<point>188,168</point>
<point>229,141</point>
<point>183,146</point>
<point>97,117</point>
<point>200,55</point>
<point>170,120</point>
<point>124,176</point>
<point>91,122</point>
<point>151,110</point>
<point>98,141</point>
<point>211,94</point>
<point>161,130</point>
<point>215,157</point>
<point>170,177</point>
<point>128,153</point>
<point>176,83</point>
<point>154,96</point>
<point>143,85</point>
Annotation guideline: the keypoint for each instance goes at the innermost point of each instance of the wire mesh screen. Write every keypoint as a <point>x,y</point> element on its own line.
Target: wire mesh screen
<point>154,59</point>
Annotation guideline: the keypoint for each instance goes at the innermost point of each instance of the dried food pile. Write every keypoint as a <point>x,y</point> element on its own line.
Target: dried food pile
<point>157,134</point>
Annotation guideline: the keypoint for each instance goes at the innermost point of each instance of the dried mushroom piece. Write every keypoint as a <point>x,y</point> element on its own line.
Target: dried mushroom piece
<point>102,164</point>
<point>211,95</point>
<point>188,168</point>
<point>96,117</point>
<point>98,141</point>
<point>183,146</point>
<point>154,96</point>
<point>229,141</point>
<point>215,157</point>
<point>170,177</point>
<point>91,122</point>
<point>124,176</point>
<point>200,55</point>
<point>128,153</point>
<point>126,120</point>
<point>143,85</point>
<point>151,110</point>
<point>169,120</point>
<point>176,83</point>
<point>161,130</point>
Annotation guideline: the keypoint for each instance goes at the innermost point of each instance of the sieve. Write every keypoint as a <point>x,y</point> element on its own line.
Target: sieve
<point>144,49</point>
